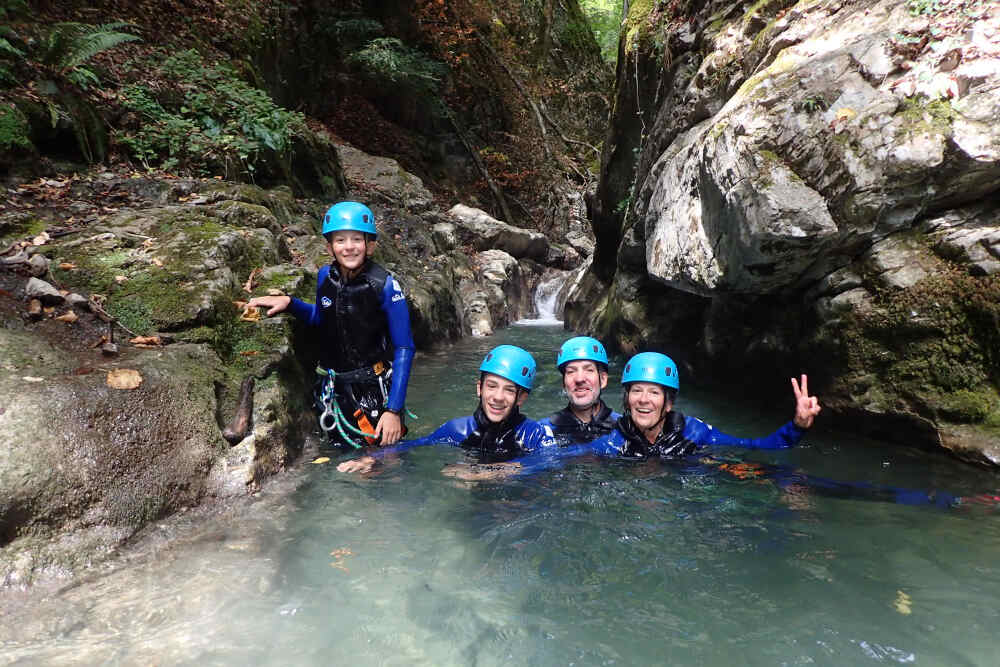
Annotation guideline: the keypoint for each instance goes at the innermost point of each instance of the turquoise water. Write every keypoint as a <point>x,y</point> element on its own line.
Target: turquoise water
<point>597,563</point>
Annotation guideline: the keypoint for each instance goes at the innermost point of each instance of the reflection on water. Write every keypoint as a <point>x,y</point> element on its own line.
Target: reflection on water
<point>597,563</point>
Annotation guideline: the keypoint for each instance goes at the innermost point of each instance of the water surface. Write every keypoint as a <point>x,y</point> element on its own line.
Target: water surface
<point>596,563</point>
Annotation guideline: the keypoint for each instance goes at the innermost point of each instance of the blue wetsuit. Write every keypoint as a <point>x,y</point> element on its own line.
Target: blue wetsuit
<point>491,442</point>
<point>569,428</point>
<point>365,325</point>
<point>681,436</point>
<point>366,317</point>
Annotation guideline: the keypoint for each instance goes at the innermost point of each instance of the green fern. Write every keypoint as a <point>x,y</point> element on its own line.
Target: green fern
<point>69,45</point>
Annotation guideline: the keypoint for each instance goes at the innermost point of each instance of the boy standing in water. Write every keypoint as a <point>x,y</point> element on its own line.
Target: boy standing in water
<point>496,431</point>
<point>367,345</point>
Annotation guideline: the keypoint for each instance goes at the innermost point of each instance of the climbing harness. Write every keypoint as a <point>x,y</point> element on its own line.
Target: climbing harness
<point>332,418</point>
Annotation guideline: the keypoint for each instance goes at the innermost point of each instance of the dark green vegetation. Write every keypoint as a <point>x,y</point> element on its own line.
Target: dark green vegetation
<point>488,101</point>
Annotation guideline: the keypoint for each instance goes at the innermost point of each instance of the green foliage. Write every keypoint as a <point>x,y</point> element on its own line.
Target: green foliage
<point>216,120</point>
<point>10,9</point>
<point>14,129</point>
<point>386,60</point>
<point>929,7</point>
<point>812,104</point>
<point>347,34</point>
<point>605,18</point>
<point>67,46</point>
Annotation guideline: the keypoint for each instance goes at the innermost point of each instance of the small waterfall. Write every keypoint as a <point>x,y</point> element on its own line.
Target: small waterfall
<point>547,299</point>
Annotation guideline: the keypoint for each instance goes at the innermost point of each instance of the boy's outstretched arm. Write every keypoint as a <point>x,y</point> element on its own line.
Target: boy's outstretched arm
<point>447,432</point>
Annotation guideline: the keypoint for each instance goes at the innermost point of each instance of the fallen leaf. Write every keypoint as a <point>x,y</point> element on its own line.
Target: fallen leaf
<point>902,603</point>
<point>31,378</point>
<point>249,284</point>
<point>101,341</point>
<point>120,279</point>
<point>148,243</point>
<point>69,317</point>
<point>41,239</point>
<point>322,459</point>
<point>250,314</point>
<point>157,261</point>
<point>67,266</point>
<point>124,378</point>
<point>249,353</point>
<point>845,114</point>
<point>146,340</point>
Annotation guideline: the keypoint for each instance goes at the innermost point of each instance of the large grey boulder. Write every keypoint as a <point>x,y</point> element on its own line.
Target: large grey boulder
<point>484,232</point>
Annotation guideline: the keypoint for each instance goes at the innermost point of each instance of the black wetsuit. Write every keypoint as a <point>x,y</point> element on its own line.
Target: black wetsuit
<point>367,342</point>
<point>567,427</point>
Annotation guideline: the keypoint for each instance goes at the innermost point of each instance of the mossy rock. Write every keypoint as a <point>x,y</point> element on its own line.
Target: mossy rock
<point>18,225</point>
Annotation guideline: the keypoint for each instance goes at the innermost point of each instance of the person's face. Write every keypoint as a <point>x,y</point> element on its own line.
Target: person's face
<point>648,403</point>
<point>350,249</point>
<point>583,382</point>
<point>498,397</point>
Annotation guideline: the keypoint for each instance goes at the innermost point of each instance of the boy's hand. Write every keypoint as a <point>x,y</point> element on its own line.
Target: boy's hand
<point>274,304</point>
<point>390,427</point>
<point>361,465</point>
<point>806,406</point>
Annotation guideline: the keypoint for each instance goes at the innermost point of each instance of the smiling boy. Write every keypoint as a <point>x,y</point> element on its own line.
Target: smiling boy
<point>496,431</point>
<point>368,348</point>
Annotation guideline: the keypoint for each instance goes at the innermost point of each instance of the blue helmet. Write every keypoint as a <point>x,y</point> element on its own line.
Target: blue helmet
<point>349,216</point>
<point>652,367</point>
<point>511,363</point>
<point>582,348</point>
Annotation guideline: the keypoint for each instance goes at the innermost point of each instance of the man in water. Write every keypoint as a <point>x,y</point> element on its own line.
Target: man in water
<point>583,363</point>
<point>496,431</point>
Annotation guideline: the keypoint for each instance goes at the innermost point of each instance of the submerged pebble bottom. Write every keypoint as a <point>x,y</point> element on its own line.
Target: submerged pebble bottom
<point>593,564</point>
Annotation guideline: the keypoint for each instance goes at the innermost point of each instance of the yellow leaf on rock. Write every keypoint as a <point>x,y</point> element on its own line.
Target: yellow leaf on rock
<point>845,113</point>
<point>250,314</point>
<point>902,603</point>
<point>67,266</point>
<point>69,317</point>
<point>124,378</point>
<point>322,459</point>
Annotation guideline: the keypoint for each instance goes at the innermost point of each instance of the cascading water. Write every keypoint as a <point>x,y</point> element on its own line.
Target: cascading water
<point>547,299</point>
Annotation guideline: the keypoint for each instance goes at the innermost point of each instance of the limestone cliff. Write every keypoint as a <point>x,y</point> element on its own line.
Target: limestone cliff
<point>811,186</point>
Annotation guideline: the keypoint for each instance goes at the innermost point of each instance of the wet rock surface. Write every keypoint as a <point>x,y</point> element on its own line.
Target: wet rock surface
<point>811,187</point>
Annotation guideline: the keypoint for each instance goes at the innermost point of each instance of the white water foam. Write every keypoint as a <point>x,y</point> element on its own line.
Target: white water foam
<point>547,301</point>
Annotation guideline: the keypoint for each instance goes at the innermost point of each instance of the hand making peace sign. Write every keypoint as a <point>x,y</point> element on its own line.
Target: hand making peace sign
<point>806,406</point>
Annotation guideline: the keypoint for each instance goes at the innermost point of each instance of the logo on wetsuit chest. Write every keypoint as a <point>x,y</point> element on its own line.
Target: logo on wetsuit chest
<point>398,296</point>
<point>326,302</point>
